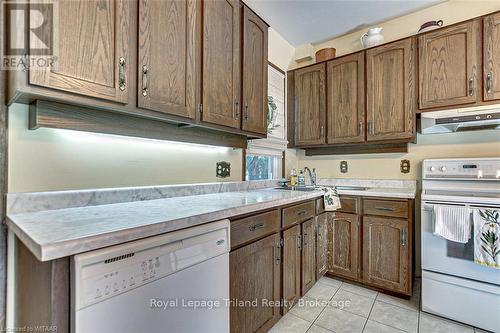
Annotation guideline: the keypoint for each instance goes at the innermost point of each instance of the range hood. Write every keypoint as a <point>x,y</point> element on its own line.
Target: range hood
<point>458,120</point>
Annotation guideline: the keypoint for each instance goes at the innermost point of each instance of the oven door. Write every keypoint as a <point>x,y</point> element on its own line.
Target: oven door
<point>452,258</point>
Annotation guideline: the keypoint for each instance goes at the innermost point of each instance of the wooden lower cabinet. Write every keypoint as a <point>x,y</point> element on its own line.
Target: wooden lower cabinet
<point>321,244</point>
<point>308,274</point>
<point>386,249</point>
<point>343,244</point>
<point>291,266</point>
<point>255,275</point>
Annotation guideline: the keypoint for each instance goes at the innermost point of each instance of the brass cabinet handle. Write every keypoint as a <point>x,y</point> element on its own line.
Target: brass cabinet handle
<point>236,111</point>
<point>370,127</point>
<point>299,242</point>
<point>489,82</point>
<point>403,237</point>
<point>304,240</point>
<point>360,128</point>
<point>144,80</point>
<point>471,86</point>
<point>387,209</point>
<point>256,226</point>
<point>322,131</point>
<point>246,112</point>
<point>277,254</point>
<point>121,74</point>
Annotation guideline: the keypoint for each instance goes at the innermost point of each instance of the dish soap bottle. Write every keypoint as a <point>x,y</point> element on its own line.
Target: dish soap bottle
<point>301,180</point>
<point>293,178</point>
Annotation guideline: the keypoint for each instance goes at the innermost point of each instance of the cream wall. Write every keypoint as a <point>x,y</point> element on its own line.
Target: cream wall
<point>451,11</point>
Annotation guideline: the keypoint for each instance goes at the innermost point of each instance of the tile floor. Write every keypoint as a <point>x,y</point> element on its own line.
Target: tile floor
<point>340,307</point>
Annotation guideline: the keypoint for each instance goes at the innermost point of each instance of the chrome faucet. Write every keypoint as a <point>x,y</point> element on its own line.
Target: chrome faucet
<point>312,175</point>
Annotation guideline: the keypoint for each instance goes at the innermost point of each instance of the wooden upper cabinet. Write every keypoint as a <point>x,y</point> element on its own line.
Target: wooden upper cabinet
<point>386,249</point>
<point>308,276</point>
<point>254,73</point>
<point>346,99</point>
<point>92,49</point>
<point>343,244</point>
<point>390,91</point>
<point>491,53</point>
<point>310,105</point>
<point>291,266</point>
<point>448,66</point>
<point>255,275</point>
<point>168,56</point>
<point>321,244</point>
<point>221,63</point>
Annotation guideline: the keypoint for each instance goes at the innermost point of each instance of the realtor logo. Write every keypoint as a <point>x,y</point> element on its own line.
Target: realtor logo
<point>30,34</point>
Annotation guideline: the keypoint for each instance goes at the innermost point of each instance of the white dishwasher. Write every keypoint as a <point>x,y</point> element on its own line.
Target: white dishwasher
<point>176,282</point>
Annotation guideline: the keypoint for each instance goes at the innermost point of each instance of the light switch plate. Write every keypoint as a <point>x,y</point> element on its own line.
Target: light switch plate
<point>223,169</point>
<point>344,167</point>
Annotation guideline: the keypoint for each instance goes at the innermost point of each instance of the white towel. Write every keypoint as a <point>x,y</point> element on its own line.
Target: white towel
<point>487,237</point>
<point>452,223</point>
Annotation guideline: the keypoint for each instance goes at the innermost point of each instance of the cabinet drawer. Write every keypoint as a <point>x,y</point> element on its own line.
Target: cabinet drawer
<point>254,227</point>
<point>348,205</point>
<point>298,213</point>
<point>385,208</point>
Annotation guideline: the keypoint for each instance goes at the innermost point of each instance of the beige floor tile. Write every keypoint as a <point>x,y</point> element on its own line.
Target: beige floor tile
<point>354,303</point>
<point>290,324</point>
<point>374,327</point>
<point>340,321</point>
<point>321,291</point>
<point>358,290</point>
<point>308,308</point>
<point>329,281</point>
<point>411,304</point>
<point>395,316</point>
<point>434,324</point>
<point>318,329</point>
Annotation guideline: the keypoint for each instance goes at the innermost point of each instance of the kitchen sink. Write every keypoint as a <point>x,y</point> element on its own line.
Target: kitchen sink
<point>352,188</point>
<point>298,188</point>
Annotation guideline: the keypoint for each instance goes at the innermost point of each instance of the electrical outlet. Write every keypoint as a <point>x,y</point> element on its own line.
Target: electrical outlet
<point>405,166</point>
<point>344,167</point>
<point>223,169</point>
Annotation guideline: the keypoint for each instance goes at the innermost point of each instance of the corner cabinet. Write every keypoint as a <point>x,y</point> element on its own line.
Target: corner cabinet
<point>310,105</point>
<point>491,57</point>
<point>167,67</point>
<point>390,91</point>
<point>254,73</point>
<point>449,69</point>
<point>93,54</point>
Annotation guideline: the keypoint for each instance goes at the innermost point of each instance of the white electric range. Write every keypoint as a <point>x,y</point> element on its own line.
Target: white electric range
<point>453,286</point>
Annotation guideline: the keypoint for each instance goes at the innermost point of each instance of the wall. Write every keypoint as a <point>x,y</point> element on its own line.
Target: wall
<point>451,11</point>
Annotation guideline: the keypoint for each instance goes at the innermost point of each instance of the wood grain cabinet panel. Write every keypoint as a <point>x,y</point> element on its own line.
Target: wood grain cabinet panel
<point>93,55</point>
<point>221,62</point>
<point>386,250</point>
<point>291,266</point>
<point>321,244</point>
<point>310,105</point>
<point>254,73</point>
<point>448,66</point>
<point>308,276</point>
<point>390,91</point>
<point>168,60</point>
<point>346,99</point>
<point>255,274</point>
<point>491,54</point>
<point>343,244</point>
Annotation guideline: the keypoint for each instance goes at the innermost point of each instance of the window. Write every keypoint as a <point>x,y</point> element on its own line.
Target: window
<point>264,157</point>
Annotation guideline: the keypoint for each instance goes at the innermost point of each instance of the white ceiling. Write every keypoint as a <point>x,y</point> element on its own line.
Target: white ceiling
<point>314,21</point>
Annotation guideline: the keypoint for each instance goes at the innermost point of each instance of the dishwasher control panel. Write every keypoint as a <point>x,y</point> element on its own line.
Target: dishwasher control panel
<point>103,274</point>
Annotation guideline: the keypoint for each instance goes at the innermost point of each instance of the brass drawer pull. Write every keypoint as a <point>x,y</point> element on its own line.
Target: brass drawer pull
<point>387,209</point>
<point>489,82</point>
<point>302,212</point>
<point>144,80</point>
<point>403,237</point>
<point>256,226</point>
<point>121,74</point>
<point>471,86</point>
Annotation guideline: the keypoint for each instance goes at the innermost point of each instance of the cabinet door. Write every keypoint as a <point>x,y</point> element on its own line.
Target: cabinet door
<point>92,49</point>
<point>321,244</point>
<point>308,276</point>
<point>346,99</point>
<point>310,105</point>
<point>448,66</point>
<point>386,253</point>
<point>291,265</point>
<point>390,78</point>
<point>255,275</point>
<point>491,52</point>
<point>254,73</point>
<point>343,244</point>
<point>221,62</point>
<point>168,56</point>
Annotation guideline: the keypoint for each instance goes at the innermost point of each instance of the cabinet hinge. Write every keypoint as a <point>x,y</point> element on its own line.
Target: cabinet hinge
<point>200,108</point>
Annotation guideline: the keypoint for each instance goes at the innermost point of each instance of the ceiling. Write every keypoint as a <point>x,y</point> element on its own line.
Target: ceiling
<point>314,21</point>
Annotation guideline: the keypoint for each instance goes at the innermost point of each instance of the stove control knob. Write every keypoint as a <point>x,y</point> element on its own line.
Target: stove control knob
<point>443,169</point>
<point>432,168</point>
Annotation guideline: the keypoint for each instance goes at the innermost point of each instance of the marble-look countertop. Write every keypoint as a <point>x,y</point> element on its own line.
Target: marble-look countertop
<point>58,233</point>
<point>404,189</point>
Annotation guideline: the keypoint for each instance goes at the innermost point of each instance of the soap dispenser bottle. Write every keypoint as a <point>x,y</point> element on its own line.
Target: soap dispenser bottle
<point>293,178</point>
